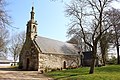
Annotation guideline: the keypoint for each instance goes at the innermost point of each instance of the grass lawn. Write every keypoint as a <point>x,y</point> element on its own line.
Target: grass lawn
<point>109,72</point>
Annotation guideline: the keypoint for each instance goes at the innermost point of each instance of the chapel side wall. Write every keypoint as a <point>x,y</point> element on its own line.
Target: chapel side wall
<point>56,61</point>
<point>72,61</point>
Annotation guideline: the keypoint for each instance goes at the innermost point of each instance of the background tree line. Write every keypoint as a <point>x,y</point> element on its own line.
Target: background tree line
<point>4,22</point>
<point>9,45</point>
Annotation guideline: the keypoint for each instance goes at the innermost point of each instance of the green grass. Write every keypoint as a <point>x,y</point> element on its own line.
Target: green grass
<point>109,72</point>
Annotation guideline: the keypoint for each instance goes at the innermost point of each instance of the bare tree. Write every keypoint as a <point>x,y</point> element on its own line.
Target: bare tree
<point>4,18</point>
<point>77,39</point>
<point>4,39</point>
<point>4,21</point>
<point>87,16</point>
<point>104,45</point>
<point>73,41</point>
<point>16,45</point>
<point>113,16</point>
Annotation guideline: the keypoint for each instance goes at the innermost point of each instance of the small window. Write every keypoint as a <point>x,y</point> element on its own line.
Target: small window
<point>34,27</point>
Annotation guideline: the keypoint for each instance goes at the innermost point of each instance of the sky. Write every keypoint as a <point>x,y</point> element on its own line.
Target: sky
<point>49,15</point>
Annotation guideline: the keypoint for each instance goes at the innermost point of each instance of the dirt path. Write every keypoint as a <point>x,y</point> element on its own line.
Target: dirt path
<point>11,74</point>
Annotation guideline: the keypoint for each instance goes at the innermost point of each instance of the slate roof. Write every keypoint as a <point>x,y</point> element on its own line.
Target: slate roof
<point>47,45</point>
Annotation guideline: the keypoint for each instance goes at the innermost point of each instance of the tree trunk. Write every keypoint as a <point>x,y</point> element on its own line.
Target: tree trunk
<point>14,61</point>
<point>103,52</point>
<point>92,66</point>
<point>104,59</point>
<point>117,45</point>
<point>104,46</point>
<point>118,57</point>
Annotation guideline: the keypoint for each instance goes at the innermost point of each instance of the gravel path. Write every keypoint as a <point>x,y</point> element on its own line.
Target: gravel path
<point>7,73</point>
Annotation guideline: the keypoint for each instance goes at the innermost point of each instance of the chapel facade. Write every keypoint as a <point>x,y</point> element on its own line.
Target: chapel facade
<point>39,53</point>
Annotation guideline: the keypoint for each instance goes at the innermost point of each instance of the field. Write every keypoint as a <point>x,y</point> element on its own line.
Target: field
<point>109,72</point>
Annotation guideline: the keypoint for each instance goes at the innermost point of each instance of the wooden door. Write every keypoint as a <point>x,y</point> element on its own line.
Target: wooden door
<point>64,65</point>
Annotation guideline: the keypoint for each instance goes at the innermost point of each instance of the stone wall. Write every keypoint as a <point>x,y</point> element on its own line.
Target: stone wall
<point>29,57</point>
<point>57,61</point>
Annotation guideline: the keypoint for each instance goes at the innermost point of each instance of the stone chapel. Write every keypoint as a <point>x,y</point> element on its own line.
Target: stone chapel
<point>39,53</point>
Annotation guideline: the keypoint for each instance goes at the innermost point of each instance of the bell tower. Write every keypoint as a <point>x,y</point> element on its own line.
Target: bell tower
<point>31,27</point>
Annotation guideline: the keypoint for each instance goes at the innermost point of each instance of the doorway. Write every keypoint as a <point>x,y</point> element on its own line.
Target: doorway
<point>64,65</point>
<point>28,62</point>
